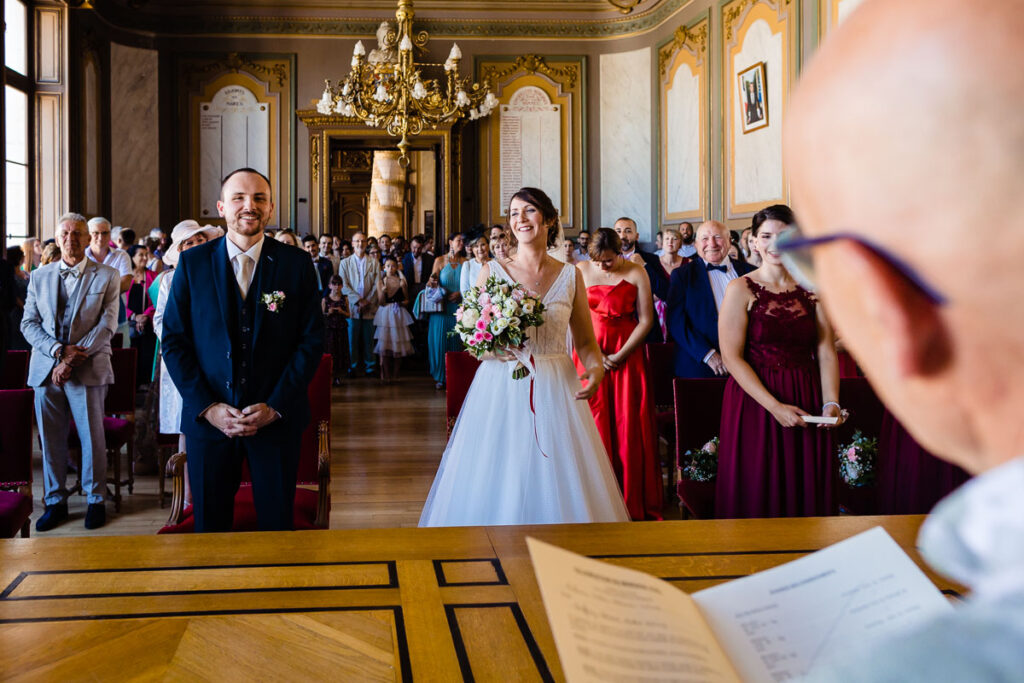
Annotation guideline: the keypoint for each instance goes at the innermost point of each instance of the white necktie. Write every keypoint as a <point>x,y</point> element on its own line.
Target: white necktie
<point>244,274</point>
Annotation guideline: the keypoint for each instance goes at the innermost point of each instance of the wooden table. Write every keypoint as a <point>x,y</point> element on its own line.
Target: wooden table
<point>386,604</point>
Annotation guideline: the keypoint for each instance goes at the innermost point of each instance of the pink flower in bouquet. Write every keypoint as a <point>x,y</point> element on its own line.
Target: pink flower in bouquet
<point>484,299</point>
<point>488,336</point>
<point>851,454</point>
<point>481,324</point>
<point>458,314</point>
<point>710,447</point>
<point>272,308</point>
<point>478,336</point>
<point>471,342</point>
<point>518,294</point>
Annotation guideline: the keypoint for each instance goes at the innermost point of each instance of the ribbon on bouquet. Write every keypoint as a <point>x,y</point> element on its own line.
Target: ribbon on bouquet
<point>526,362</point>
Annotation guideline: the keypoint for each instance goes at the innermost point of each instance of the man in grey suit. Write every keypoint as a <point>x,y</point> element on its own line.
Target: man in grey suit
<point>359,274</point>
<point>70,316</point>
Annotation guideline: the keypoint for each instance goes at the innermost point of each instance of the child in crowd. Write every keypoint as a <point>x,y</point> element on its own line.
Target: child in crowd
<point>394,338</point>
<point>335,308</point>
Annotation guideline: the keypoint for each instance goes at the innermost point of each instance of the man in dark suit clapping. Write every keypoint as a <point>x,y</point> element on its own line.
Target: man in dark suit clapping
<point>695,292</point>
<point>417,266</point>
<point>243,335</point>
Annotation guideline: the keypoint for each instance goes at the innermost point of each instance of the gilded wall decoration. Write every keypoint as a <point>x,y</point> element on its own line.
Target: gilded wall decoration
<point>236,110</point>
<point>535,136</point>
<point>684,110</point>
<point>763,33</point>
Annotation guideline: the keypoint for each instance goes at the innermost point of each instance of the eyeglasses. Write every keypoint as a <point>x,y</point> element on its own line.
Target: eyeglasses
<point>794,248</point>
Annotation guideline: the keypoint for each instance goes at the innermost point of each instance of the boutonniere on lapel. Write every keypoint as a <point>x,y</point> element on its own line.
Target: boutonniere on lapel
<point>273,301</point>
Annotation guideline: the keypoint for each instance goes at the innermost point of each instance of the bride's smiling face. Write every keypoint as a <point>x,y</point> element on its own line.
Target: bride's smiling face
<point>526,221</point>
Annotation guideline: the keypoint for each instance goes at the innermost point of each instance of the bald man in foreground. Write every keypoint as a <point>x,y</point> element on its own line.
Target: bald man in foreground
<point>929,139</point>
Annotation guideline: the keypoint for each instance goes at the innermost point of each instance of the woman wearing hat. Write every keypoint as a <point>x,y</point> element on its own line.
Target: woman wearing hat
<point>186,234</point>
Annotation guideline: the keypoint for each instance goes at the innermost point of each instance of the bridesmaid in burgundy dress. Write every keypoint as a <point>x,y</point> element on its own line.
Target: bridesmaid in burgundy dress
<point>780,353</point>
<point>619,295</point>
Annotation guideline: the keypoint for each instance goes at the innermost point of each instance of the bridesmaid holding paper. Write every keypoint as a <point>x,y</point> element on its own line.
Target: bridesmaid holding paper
<point>781,357</point>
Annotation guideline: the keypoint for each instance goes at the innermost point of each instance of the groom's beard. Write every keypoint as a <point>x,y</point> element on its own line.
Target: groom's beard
<point>688,240</point>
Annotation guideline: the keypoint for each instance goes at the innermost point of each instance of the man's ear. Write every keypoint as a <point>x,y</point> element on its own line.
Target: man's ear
<point>912,333</point>
<point>220,208</point>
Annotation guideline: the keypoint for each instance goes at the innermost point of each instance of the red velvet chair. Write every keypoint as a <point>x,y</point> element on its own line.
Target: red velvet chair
<point>661,359</point>
<point>16,419</point>
<point>698,412</point>
<point>118,424</point>
<point>460,368</point>
<point>312,507</point>
<point>15,374</point>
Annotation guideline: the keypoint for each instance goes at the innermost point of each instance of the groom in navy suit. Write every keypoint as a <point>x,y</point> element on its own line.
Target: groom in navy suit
<point>694,294</point>
<point>243,335</point>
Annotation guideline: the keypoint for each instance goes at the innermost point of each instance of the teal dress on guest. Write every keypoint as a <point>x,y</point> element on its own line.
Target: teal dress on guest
<point>438,340</point>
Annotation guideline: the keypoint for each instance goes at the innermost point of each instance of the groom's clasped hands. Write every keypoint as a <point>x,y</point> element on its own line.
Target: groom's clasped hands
<point>234,422</point>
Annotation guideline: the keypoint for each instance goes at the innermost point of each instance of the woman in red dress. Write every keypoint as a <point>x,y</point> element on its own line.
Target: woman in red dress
<point>781,357</point>
<point>621,306</point>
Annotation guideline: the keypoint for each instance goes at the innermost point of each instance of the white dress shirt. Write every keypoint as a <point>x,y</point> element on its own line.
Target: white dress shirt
<point>417,269</point>
<point>975,536</point>
<point>720,280</point>
<point>360,286</point>
<point>581,255</point>
<point>252,252</point>
<point>117,259</point>
<point>687,251</point>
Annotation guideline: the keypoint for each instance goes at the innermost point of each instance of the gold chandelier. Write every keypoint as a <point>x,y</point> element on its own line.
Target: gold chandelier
<point>389,91</point>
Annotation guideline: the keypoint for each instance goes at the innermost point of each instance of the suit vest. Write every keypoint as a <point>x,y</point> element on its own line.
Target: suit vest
<point>242,339</point>
<point>65,310</point>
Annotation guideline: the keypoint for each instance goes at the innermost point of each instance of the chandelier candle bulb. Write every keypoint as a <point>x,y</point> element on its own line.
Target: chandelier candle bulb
<point>359,50</point>
<point>406,44</point>
<point>456,53</point>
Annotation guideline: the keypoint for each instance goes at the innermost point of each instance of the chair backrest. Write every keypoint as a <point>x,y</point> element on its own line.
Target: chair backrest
<point>866,409</point>
<point>319,393</point>
<point>121,394</point>
<point>16,418</point>
<point>661,360</point>
<point>698,404</point>
<point>848,366</point>
<point>15,373</point>
<point>460,368</point>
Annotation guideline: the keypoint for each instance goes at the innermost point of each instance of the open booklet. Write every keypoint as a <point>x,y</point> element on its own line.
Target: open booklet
<point>616,624</point>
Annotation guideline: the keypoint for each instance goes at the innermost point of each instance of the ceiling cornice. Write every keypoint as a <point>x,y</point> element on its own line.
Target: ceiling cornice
<point>188,24</point>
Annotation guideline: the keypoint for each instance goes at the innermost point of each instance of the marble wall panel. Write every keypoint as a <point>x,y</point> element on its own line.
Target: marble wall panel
<point>135,132</point>
<point>625,121</point>
<point>757,155</point>
<point>682,143</point>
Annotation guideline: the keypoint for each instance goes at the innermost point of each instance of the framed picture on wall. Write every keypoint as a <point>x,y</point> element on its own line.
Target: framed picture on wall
<point>428,223</point>
<point>753,97</point>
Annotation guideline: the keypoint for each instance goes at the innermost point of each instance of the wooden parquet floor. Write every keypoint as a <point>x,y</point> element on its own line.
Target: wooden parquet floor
<point>386,444</point>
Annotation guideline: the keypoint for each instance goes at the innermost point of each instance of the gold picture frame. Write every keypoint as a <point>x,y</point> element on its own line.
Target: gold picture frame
<point>753,97</point>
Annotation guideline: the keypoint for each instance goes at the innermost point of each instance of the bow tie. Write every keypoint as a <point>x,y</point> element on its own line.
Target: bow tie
<point>71,272</point>
<point>723,268</point>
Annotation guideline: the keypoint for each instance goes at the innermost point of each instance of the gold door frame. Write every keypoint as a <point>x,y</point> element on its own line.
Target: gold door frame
<point>323,129</point>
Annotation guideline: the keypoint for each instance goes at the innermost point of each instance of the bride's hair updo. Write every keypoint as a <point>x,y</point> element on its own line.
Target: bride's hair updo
<point>548,213</point>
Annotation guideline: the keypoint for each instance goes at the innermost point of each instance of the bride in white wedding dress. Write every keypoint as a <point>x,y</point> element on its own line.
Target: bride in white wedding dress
<point>527,451</point>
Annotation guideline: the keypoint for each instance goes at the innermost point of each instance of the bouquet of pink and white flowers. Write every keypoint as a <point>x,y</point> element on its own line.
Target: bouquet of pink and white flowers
<point>495,318</point>
<point>857,460</point>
